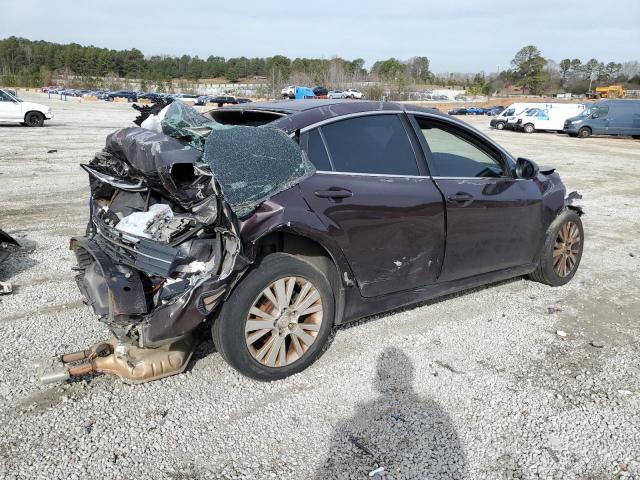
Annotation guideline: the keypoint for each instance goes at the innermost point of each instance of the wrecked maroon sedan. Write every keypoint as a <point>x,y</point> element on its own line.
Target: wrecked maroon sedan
<point>275,222</point>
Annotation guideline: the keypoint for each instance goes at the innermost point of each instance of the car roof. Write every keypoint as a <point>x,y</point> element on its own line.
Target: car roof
<point>302,113</point>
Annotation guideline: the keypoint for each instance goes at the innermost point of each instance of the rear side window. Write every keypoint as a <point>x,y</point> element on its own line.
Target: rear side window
<point>371,144</point>
<point>317,153</point>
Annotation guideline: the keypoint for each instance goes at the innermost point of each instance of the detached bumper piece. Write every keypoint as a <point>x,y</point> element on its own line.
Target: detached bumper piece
<point>130,363</point>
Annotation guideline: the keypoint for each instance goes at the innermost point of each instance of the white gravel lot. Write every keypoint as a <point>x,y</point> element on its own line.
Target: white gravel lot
<point>477,385</point>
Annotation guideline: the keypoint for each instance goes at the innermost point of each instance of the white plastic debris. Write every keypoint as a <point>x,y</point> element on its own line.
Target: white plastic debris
<point>376,472</point>
<point>138,223</point>
<point>5,288</point>
<point>625,392</point>
<point>561,333</point>
<point>153,122</point>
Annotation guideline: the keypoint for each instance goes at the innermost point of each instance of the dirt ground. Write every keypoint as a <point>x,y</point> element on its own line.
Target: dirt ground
<point>518,380</point>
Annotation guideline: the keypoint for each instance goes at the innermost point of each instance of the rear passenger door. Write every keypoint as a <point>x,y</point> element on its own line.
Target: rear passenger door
<point>376,199</point>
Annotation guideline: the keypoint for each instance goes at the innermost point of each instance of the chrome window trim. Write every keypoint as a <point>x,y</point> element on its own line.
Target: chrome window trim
<point>372,174</point>
<point>327,121</point>
<point>479,178</point>
<point>418,176</point>
<point>510,160</point>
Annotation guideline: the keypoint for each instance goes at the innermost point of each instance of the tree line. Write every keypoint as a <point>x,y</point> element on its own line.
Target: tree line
<point>26,62</point>
<point>33,63</point>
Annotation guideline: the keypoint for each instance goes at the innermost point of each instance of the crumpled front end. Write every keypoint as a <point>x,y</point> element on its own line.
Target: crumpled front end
<point>162,246</point>
<point>160,243</point>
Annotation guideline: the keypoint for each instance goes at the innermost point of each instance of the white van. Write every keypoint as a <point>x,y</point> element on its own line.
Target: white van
<point>548,116</point>
<point>501,120</point>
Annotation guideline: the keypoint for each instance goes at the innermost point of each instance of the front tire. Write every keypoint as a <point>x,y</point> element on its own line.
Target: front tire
<point>584,132</point>
<point>34,119</point>
<point>278,319</point>
<point>500,126</point>
<point>562,250</point>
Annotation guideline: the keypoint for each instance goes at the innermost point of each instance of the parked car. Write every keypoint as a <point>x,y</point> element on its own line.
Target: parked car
<point>129,95</point>
<point>222,100</point>
<point>476,111</point>
<point>288,92</point>
<point>272,248</point>
<point>14,110</point>
<point>320,91</point>
<point>606,117</point>
<point>458,111</point>
<point>152,95</point>
<point>353,93</point>
<point>336,94</point>
<point>493,111</point>
<point>185,97</point>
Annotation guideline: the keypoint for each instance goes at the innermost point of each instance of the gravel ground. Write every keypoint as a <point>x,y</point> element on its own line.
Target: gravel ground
<point>477,385</point>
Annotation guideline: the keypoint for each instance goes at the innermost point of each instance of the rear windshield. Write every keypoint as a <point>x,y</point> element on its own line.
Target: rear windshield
<point>249,118</point>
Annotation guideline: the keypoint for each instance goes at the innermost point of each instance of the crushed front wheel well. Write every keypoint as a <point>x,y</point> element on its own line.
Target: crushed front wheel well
<point>297,245</point>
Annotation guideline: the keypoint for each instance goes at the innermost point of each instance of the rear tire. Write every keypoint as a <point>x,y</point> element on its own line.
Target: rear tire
<point>34,119</point>
<point>500,126</point>
<point>584,132</point>
<point>562,250</point>
<point>247,348</point>
<point>529,128</point>
<point>635,137</point>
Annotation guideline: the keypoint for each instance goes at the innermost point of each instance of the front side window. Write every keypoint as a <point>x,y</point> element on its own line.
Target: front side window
<point>375,144</point>
<point>5,97</point>
<point>453,154</point>
<point>508,113</point>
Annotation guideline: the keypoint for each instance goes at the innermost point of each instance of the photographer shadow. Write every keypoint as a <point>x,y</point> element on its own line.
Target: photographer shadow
<point>408,436</point>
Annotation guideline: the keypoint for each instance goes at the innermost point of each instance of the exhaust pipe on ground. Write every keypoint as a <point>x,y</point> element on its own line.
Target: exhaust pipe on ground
<point>130,363</point>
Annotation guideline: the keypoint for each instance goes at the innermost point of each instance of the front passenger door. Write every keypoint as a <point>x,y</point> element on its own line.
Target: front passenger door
<point>600,120</point>
<point>493,219</point>
<point>10,110</point>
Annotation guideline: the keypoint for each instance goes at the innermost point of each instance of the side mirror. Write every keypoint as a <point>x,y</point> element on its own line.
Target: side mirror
<point>526,168</point>
<point>595,115</point>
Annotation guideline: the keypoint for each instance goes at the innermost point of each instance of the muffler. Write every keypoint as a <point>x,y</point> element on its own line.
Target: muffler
<point>129,362</point>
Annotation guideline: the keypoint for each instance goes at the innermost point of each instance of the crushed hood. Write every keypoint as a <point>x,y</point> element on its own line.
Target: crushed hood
<point>249,164</point>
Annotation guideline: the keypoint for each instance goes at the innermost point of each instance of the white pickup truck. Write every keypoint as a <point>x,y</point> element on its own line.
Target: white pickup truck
<point>14,110</point>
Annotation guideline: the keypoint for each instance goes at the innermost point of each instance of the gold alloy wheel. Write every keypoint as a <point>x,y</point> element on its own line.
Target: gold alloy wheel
<point>566,249</point>
<point>283,322</point>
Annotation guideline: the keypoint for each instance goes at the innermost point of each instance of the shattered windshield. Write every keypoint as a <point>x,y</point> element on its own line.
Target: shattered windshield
<point>184,122</point>
<point>251,164</point>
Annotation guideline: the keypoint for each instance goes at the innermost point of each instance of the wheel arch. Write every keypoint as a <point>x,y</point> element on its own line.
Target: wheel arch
<point>310,249</point>
<point>28,112</point>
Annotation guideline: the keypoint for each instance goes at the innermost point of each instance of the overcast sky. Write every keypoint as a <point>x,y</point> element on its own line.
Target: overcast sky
<point>456,35</point>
